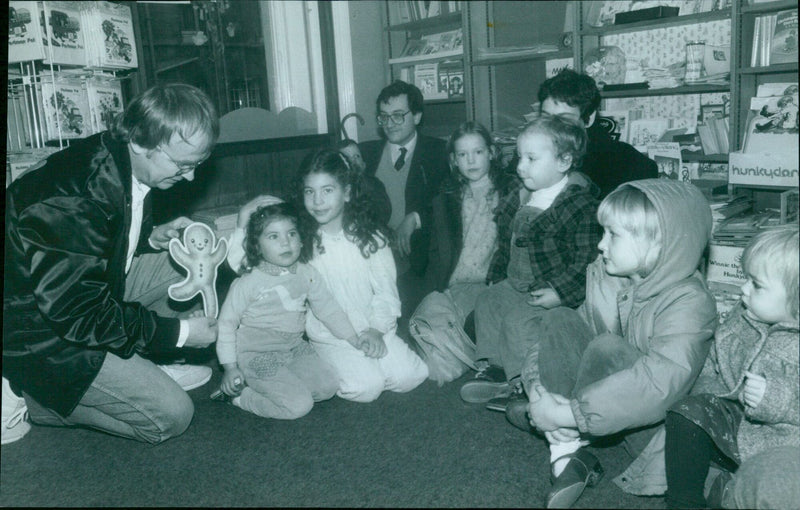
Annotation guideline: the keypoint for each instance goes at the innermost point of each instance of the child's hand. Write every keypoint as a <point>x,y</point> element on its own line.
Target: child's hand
<point>195,313</point>
<point>754,388</point>
<point>546,298</point>
<point>562,435</point>
<point>232,381</point>
<point>250,207</point>
<point>548,413</point>
<point>372,344</point>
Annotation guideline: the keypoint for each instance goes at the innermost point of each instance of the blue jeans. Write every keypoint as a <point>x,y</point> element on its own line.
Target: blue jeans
<point>132,398</point>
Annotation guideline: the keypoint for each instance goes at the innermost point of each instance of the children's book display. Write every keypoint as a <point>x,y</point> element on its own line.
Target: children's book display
<point>105,102</point>
<point>775,39</point>
<point>200,254</point>
<point>66,43</point>
<point>109,34</point>
<point>64,86</point>
<point>769,154</point>
<point>66,108</point>
<point>24,32</point>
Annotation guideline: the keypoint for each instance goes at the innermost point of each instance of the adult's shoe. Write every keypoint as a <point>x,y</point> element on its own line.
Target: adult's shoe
<point>188,377</point>
<point>490,382</point>
<point>583,470</point>
<point>14,416</point>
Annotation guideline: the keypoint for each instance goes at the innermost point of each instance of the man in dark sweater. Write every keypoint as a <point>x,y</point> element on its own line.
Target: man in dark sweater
<point>607,162</point>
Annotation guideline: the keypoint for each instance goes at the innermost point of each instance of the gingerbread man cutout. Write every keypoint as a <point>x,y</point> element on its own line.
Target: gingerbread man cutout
<point>200,255</point>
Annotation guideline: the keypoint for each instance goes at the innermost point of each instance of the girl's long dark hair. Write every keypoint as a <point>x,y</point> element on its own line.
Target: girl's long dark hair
<point>259,220</point>
<point>359,220</point>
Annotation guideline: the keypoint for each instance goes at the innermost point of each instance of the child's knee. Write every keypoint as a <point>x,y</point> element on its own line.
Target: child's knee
<point>299,407</point>
<point>410,379</point>
<point>365,389</point>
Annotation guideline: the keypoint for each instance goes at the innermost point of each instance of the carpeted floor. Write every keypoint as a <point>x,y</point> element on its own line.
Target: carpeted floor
<point>426,448</point>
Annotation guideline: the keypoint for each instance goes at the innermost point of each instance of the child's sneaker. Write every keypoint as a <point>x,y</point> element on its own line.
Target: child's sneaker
<point>15,413</point>
<point>489,383</point>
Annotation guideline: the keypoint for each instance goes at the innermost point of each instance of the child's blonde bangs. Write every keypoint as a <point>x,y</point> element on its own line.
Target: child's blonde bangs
<point>629,208</point>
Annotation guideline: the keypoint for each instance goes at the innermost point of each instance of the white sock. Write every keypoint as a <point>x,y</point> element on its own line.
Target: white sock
<point>559,450</point>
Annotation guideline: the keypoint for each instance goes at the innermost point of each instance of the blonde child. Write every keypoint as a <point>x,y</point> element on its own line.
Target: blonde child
<point>262,320</point>
<point>633,349</point>
<point>462,245</point>
<point>350,249</point>
<point>547,235</point>
<point>746,399</point>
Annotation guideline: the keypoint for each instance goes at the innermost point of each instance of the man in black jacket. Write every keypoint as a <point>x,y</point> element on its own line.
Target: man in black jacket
<point>411,166</point>
<point>84,267</point>
<point>607,162</point>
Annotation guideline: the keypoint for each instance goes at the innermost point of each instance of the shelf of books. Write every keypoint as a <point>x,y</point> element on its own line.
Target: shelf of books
<point>63,75</point>
<point>763,165</point>
<point>665,80</point>
<point>426,47</point>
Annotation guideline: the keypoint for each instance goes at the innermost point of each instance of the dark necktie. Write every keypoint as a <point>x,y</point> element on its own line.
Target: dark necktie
<point>398,165</point>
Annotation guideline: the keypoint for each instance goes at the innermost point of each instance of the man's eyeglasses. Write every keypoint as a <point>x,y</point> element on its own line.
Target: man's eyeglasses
<point>183,168</point>
<point>397,118</point>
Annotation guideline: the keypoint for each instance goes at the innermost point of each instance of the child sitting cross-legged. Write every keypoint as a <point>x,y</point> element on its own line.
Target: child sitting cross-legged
<point>635,347</point>
<point>270,370</point>
<point>547,234</point>
<point>746,399</point>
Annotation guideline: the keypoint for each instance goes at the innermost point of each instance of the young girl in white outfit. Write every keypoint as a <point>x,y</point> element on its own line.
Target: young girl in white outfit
<point>350,249</point>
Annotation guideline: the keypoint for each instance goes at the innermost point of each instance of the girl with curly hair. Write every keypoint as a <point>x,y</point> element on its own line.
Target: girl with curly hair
<point>350,248</point>
<point>270,369</point>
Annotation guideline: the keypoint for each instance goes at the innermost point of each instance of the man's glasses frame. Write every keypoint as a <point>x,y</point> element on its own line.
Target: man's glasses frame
<point>183,168</point>
<point>397,118</point>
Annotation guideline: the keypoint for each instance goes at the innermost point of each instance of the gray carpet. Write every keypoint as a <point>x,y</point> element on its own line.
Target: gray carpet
<point>426,448</point>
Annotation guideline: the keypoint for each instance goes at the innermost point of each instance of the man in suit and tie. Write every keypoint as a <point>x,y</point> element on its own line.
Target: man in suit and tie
<point>412,167</point>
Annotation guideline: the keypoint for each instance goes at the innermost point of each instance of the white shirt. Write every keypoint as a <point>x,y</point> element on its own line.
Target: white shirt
<point>543,198</point>
<point>138,193</point>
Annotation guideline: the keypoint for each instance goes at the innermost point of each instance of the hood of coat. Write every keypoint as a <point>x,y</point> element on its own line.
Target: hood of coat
<point>685,220</point>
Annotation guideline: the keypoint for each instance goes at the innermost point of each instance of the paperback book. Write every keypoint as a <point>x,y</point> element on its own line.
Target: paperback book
<point>784,38</point>
<point>105,102</point>
<point>66,109</point>
<point>24,32</point>
<point>109,32</point>
<point>65,44</point>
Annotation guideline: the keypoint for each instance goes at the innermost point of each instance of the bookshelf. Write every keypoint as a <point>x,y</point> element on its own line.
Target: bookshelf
<point>511,44</point>
<point>427,48</point>
<point>658,46</point>
<point>746,80</point>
